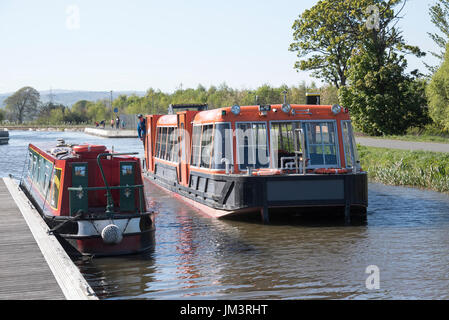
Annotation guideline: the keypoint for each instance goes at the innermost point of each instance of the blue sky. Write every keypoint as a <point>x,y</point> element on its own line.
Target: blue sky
<point>135,45</point>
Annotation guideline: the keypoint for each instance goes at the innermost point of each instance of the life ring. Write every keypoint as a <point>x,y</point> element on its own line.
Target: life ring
<point>89,148</point>
<point>330,171</point>
<point>267,172</point>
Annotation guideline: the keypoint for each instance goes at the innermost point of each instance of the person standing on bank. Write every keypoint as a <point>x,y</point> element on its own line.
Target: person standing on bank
<point>141,129</point>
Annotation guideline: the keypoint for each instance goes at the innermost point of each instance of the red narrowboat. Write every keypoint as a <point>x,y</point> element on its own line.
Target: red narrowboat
<point>270,159</point>
<point>92,199</point>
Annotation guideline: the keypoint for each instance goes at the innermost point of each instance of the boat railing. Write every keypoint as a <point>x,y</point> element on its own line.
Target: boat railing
<point>139,187</point>
<point>293,163</point>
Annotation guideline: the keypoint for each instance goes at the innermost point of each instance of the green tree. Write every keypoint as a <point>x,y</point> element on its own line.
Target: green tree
<point>23,104</point>
<point>438,95</point>
<point>324,37</point>
<point>439,15</point>
<point>382,98</point>
<point>80,108</point>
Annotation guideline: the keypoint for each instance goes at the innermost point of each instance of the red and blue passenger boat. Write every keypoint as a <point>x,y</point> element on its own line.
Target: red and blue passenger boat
<point>268,159</point>
<point>91,198</point>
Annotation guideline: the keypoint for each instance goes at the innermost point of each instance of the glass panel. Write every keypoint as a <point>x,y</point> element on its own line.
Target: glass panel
<point>127,170</point>
<point>347,144</point>
<point>321,143</point>
<point>30,165</point>
<point>252,145</point>
<point>175,145</point>
<point>262,154</point>
<point>158,142</point>
<point>206,146</point>
<point>350,144</point>
<point>163,142</point>
<point>169,143</point>
<point>54,197</point>
<point>222,145</point>
<point>196,146</point>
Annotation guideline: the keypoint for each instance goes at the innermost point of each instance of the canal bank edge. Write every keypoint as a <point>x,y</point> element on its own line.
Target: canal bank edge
<point>67,275</point>
<point>419,169</point>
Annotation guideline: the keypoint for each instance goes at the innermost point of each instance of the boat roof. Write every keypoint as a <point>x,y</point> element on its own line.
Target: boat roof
<point>64,151</point>
<point>253,114</point>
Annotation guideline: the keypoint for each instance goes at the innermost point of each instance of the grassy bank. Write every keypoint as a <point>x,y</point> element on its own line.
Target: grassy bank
<point>429,170</point>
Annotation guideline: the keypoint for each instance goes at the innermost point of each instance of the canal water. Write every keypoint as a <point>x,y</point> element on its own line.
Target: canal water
<point>406,238</point>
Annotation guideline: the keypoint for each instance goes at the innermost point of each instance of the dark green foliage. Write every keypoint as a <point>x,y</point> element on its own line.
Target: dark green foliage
<point>381,97</point>
<point>438,95</point>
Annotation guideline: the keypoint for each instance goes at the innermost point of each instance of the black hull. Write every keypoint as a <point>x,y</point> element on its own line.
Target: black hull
<point>338,194</point>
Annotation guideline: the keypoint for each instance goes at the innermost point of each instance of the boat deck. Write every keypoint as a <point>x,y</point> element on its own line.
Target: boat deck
<point>29,262</point>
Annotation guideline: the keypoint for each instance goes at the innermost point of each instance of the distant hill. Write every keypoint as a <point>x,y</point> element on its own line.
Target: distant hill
<point>69,97</point>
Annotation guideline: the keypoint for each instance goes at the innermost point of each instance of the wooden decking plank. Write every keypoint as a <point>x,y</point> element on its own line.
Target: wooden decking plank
<point>29,262</point>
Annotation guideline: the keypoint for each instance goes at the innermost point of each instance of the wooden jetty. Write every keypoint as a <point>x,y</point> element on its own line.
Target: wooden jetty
<point>33,264</point>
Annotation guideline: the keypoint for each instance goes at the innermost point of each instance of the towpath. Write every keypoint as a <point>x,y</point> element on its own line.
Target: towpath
<point>403,145</point>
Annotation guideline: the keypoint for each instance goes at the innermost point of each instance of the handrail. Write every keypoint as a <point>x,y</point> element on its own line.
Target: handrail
<point>103,188</point>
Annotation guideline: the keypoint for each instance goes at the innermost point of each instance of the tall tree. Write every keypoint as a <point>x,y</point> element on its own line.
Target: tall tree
<point>324,39</point>
<point>382,97</point>
<point>439,15</point>
<point>438,95</point>
<point>326,35</point>
<point>23,103</point>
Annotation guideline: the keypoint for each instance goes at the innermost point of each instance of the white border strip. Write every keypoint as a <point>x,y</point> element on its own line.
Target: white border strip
<point>68,276</point>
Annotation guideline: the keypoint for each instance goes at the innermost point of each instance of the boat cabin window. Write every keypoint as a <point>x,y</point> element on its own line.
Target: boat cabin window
<point>173,147</point>
<point>321,143</point>
<point>206,146</point>
<point>222,145</point>
<point>163,142</point>
<point>40,171</point>
<point>47,175</point>
<point>252,145</point>
<point>54,194</point>
<point>351,154</point>
<point>196,146</point>
<point>158,142</point>
<point>283,140</point>
<point>167,144</point>
<point>210,144</point>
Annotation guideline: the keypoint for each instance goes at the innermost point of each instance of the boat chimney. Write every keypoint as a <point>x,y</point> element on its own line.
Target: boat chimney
<point>313,98</point>
<point>285,96</point>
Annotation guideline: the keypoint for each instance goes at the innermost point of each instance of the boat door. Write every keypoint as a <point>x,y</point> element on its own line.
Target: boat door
<point>183,143</point>
<point>79,199</point>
